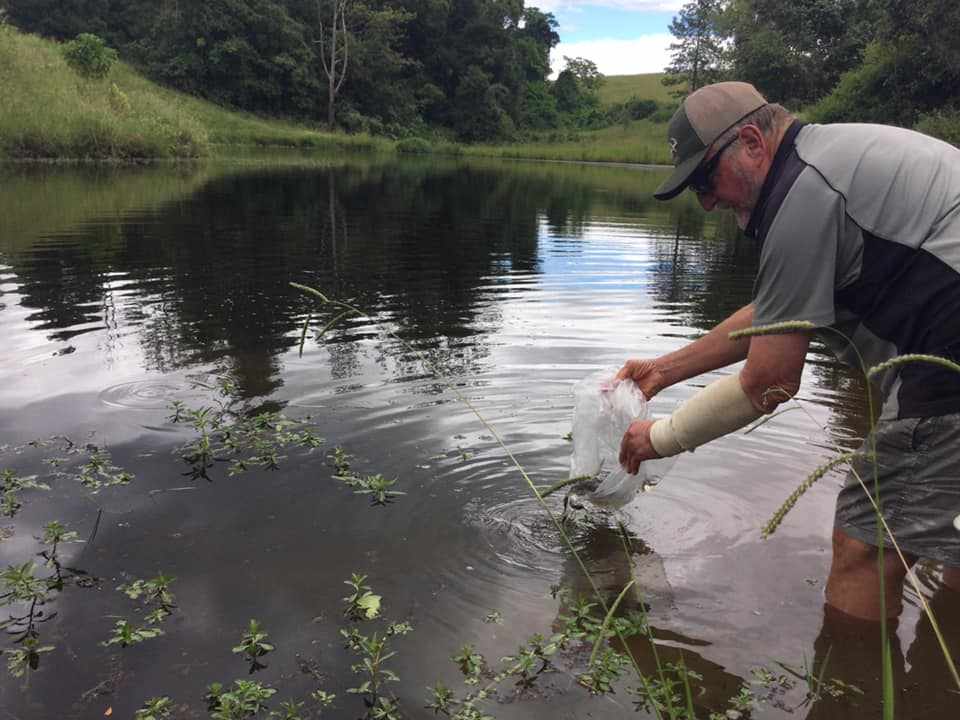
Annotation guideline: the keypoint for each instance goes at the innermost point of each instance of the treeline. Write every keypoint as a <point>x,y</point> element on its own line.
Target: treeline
<point>890,61</point>
<point>474,69</point>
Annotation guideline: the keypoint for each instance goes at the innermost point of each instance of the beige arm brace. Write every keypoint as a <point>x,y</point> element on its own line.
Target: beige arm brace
<point>720,408</point>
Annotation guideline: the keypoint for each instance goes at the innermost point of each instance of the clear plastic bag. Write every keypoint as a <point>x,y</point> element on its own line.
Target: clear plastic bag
<point>603,410</point>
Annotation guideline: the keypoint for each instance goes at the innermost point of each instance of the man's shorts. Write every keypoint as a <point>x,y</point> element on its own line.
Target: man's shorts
<point>918,466</point>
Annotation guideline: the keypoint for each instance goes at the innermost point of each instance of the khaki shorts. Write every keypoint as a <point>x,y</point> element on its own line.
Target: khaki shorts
<point>918,467</point>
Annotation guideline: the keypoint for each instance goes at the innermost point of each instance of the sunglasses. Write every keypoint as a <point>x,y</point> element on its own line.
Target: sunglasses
<point>701,181</point>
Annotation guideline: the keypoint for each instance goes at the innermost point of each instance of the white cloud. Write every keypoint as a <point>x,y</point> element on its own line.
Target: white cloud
<point>644,54</point>
<point>637,5</point>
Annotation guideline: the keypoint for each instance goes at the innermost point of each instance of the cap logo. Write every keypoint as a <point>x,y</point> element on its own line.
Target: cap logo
<point>673,148</point>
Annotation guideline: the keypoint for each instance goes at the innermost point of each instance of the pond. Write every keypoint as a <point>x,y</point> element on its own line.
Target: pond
<point>132,295</point>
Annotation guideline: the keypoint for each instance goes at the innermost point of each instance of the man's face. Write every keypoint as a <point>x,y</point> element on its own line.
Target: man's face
<point>735,184</point>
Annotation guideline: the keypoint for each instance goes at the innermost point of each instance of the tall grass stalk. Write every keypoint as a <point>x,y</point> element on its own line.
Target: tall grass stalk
<point>438,372</point>
<point>883,529</point>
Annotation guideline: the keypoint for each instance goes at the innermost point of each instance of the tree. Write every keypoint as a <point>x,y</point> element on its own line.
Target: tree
<point>334,51</point>
<point>698,57</point>
<point>796,52</point>
<point>589,78</point>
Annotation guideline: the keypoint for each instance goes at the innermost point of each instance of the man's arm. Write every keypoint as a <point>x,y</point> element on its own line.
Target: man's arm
<point>710,352</point>
<point>771,376</point>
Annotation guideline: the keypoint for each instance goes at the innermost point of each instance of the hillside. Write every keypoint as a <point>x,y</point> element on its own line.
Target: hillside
<point>648,86</point>
<point>51,112</point>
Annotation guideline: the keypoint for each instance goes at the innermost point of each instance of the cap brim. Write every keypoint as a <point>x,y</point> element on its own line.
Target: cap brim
<point>677,182</point>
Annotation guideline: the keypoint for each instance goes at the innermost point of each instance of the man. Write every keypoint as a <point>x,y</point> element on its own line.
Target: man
<point>859,227</point>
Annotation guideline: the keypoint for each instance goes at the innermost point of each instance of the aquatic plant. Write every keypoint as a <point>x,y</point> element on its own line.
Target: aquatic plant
<point>125,634</point>
<point>156,708</point>
<point>254,645</point>
<point>232,432</point>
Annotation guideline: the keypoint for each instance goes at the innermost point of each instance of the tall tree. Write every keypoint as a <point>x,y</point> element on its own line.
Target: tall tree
<point>698,56</point>
<point>334,50</point>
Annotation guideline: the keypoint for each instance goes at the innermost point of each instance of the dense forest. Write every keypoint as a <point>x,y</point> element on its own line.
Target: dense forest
<point>479,70</point>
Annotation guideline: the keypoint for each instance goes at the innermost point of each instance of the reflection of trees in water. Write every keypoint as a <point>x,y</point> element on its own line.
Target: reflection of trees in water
<point>204,280</point>
<point>703,271</point>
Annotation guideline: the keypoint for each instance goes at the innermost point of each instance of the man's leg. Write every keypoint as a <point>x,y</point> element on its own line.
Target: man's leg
<point>854,583</point>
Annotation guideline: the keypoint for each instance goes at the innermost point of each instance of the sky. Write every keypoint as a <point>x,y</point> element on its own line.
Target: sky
<point>623,37</point>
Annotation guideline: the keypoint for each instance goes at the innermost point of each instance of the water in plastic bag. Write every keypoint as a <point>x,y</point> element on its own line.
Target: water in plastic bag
<point>603,410</point>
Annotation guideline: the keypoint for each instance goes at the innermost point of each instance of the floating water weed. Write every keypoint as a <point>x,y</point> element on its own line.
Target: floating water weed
<point>11,485</point>
<point>125,634</point>
<point>254,646</point>
<point>362,604</point>
<point>99,472</point>
<point>27,656</point>
<point>816,682</point>
<point>233,433</point>
<point>244,700</point>
<point>156,708</point>
<point>155,594</point>
<point>374,650</point>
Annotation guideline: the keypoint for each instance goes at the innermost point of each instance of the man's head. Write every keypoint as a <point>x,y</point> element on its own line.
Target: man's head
<point>723,138</point>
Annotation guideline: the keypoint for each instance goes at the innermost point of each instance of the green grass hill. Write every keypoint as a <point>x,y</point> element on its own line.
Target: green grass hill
<point>49,111</point>
<point>648,86</point>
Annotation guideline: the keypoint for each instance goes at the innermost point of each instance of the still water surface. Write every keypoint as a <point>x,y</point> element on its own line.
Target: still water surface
<point>126,289</point>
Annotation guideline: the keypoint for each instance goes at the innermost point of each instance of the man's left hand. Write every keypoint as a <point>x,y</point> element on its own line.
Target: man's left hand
<point>636,446</point>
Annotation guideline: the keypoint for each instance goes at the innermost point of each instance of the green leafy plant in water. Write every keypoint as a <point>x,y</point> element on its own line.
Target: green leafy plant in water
<point>289,710</point>
<point>664,695</point>
<point>156,708</point>
<point>362,604</point>
<point>19,584</point>
<point>100,472</point>
<point>125,634</point>
<point>54,534</point>
<point>323,699</point>
<point>244,700</point>
<point>155,594</point>
<point>470,663</point>
<point>25,657</point>
<point>254,645</point>
<point>233,433</point>
<point>378,488</point>
<point>11,485</point>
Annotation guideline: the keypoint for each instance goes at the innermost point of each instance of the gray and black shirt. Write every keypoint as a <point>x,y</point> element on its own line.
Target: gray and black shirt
<point>860,230</point>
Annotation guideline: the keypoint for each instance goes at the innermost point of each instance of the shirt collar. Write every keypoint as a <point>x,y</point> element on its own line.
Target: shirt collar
<point>776,168</point>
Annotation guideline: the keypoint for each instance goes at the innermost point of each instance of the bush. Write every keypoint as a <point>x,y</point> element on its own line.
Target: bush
<point>944,124</point>
<point>663,113</point>
<point>89,56</point>
<point>414,146</point>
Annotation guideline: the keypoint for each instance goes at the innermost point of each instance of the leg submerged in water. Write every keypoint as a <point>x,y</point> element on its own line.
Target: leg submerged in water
<point>854,582</point>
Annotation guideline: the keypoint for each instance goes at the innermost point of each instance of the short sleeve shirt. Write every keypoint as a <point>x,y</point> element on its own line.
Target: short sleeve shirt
<point>859,228</point>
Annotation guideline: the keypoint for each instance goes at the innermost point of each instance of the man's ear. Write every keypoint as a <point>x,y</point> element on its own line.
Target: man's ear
<point>753,141</point>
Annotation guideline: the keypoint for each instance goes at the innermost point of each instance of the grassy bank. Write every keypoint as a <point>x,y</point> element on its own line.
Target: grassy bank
<point>641,141</point>
<point>51,112</point>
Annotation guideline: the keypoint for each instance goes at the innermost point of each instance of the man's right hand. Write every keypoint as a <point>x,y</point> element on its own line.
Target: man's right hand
<point>646,374</point>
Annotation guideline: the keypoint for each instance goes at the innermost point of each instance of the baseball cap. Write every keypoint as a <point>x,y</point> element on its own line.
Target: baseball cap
<point>703,116</point>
